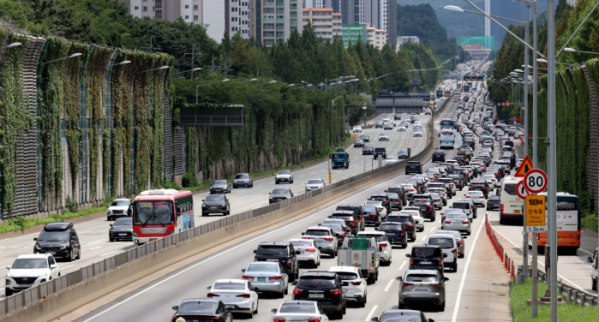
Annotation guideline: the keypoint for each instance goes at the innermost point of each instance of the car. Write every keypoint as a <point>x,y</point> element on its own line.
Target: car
<point>388,126</point>
<point>395,201</point>
<point>309,254</point>
<point>422,287</point>
<point>356,213</point>
<point>385,249</point>
<point>477,196</point>
<point>417,133</point>
<point>371,216</point>
<point>243,180</point>
<point>367,150</point>
<point>280,194</point>
<point>30,270</point>
<point>284,176</point>
<point>351,219</point>
<point>418,220</point>
<point>227,290</point>
<point>413,167</point>
<point>378,124</point>
<point>212,309</point>
<point>324,288</point>
<point>300,311</point>
<point>354,284</point>
<point>358,143</point>
<point>426,207</point>
<point>413,118</point>
<point>220,186</point>
<point>467,205</point>
<point>122,229</point>
<point>395,233</point>
<point>357,129</point>
<point>268,277</point>
<point>119,208</point>
<point>494,202</point>
<point>314,184</point>
<point>441,191</point>
<point>380,151</point>
<point>216,204</point>
<point>401,316</point>
<point>402,128</point>
<point>379,206</point>
<point>449,248</point>
<point>427,257</point>
<point>438,156</point>
<point>437,201</point>
<point>60,240</point>
<point>364,137</point>
<point>403,154</point>
<point>458,238</point>
<point>408,222</point>
<point>339,229</point>
<point>384,199</point>
<point>383,137</point>
<point>397,116</point>
<point>456,221</point>
<point>283,252</point>
<point>594,272</point>
<point>324,238</point>
<point>391,160</point>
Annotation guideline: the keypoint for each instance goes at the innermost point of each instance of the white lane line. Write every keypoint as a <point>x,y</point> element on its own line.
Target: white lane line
<point>578,249</point>
<point>433,228</point>
<point>371,313</point>
<point>114,251</point>
<point>96,247</point>
<point>462,282</point>
<point>423,238</point>
<point>67,266</point>
<point>389,285</point>
<point>402,265</point>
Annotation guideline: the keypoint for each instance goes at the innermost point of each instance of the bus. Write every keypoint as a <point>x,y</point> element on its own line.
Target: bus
<point>160,213</point>
<point>447,137</point>
<point>446,123</point>
<point>511,207</point>
<point>459,87</point>
<point>568,224</point>
<point>439,92</point>
<point>447,93</point>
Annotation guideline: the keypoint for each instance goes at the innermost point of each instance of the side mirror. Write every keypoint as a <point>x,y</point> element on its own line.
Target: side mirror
<point>243,270</point>
<point>399,278</point>
<point>374,319</point>
<point>408,255</point>
<point>330,156</point>
<point>444,255</point>
<point>35,239</point>
<point>380,249</point>
<point>8,266</point>
<point>209,288</point>
<point>303,234</point>
<point>273,311</point>
<point>589,260</point>
<point>464,237</point>
<point>445,279</point>
<point>255,251</point>
<point>255,289</point>
<point>294,283</point>
<point>431,320</point>
<point>319,224</point>
<point>53,266</point>
<point>202,200</point>
<point>111,225</point>
<point>176,308</point>
<point>269,193</point>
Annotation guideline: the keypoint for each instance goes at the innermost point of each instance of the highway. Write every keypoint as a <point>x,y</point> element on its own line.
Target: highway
<point>152,299</point>
<point>93,234</point>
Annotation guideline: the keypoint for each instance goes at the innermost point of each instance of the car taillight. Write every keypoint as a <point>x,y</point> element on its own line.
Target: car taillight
<point>341,234</point>
<point>245,296</point>
<point>311,250</point>
<point>407,284</point>
<point>435,285</point>
<point>482,197</point>
<point>465,222</point>
<point>211,295</point>
<point>396,200</point>
<point>455,252</point>
<point>411,261</point>
<point>578,235</point>
<point>297,291</point>
<point>353,223</point>
<point>328,239</point>
<point>400,233</point>
<point>383,244</point>
<point>373,215</point>
<point>409,225</point>
<point>335,291</point>
<point>306,238</point>
<point>448,222</point>
<point>461,242</point>
<point>501,209</point>
<point>278,319</point>
<point>440,262</point>
<point>471,188</point>
<point>289,262</point>
<point>356,283</point>
<point>430,208</point>
<point>317,319</point>
<point>468,196</point>
<point>247,277</point>
<point>256,259</point>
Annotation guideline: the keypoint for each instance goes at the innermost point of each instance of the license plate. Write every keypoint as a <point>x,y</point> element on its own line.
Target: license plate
<point>261,279</point>
<point>153,239</point>
<point>425,263</point>
<point>559,238</point>
<point>316,296</point>
<point>272,260</point>
<point>422,288</point>
<point>122,234</point>
<point>516,211</point>
<point>390,234</point>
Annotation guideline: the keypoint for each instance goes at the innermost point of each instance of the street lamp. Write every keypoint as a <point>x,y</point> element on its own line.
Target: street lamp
<point>198,86</point>
<point>250,80</point>
<point>541,60</point>
<point>271,82</point>
<point>151,70</point>
<point>75,55</point>
<point>14,44</point>
<point>187,71</point>
<point>291,85</point>
<point>568,49</point>
<point>124,62</point>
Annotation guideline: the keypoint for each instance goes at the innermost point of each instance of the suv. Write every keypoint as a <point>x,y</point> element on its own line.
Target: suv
<point>356,213</point>
<point>422,286</point>
<point>481,185</point>
<point>325,288</point>
<point>119,208</point>
<point>281,251</point>
<point>284,176</point>
<point>439,156</point>
<point>413,167</point>
<point>243,179</point>
<point>467,206</point>
<point>426,257</point>
<point>426,206</point>
<point>408,222</point>
<point>448,246</point>
<point>30,270</point>
<point>324,238</point>
<point>59,239</point>
<point>380,151</point>
<point>371,216</point>
<point>401,192</point>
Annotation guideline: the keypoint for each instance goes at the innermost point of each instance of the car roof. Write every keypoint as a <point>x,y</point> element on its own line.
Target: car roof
<point>421,271</point>
<point>370,232</point>
<point>230,280</point>
<point>58,226</point>
<point>316,273</point>
<point>343,269</point>
<point>318,228</point>
<point>440,235</point>
<point>274,243</point>
<point>34,256</point>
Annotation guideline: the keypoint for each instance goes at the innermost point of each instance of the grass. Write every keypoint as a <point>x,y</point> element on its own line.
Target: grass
<point>566,312</point>
<point>589,221</point>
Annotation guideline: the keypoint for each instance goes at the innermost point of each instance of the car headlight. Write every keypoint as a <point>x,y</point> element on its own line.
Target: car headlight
<point>63,246</point>
<point>223,205</point>
<point>270,197</point>
<point>8,282</point>
<point>135,234</point>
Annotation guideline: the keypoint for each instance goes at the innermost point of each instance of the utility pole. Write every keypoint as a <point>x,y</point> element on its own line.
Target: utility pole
<point>193,57</point>
<point>151,48</point>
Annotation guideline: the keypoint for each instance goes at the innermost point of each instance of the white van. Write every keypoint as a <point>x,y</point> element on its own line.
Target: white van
<point>447,138</point>
<point>512,207</point>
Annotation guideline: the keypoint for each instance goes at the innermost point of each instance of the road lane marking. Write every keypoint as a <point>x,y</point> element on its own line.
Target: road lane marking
<point>423,238</point>
<point>371,313</point>
<point>402,265</point>
<point>389,285</point>
<point>433,228</point>
<point>67,266</point>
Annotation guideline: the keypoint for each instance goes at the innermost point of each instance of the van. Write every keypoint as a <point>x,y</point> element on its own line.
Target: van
<point>511,207</point>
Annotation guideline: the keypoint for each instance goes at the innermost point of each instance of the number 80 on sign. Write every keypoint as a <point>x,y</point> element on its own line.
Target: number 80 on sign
<point>535,181</point>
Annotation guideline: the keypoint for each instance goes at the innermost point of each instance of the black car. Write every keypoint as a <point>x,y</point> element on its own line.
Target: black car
<point>384,198</point>
<point>59,239</point>
<point>395,233</point>
<point>480,185</point>
<point>323,288</point>
<point>357,214</point>
<point>216,204</point>
<point>202,310</point>
<point>402,316</point>
<point>365,137</point>
<point>494,202</point>
<point>380,151</point>
<point>243,180</point>
<point>371,216</point>
<point>403,154</point>
<point>401,192</point>
<point>439,156</point>
<point>378,124</point>
<point>122,229</point>
<point>413,167</point>
<point>408,224</point>
<point>367,150</point>
<point>282,252</point>
<point>220,186</point>
<point>358,143</point>
<point>280,194</point>
<point>426,257</point>
<point>463,173</point>
<point>427,209</point>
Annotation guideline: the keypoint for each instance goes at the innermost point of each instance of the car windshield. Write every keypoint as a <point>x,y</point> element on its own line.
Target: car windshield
<point>398,219</point>
<point>280,192</point>
<point>369,210</point>
<point>339,155</point>
<point>423,278</point>
<point>284,172</point>
<point>120,203</point>
<point>215,198</point>
<point>53,236</point>
<point>445,243</point>
<point>316,282</point>
<point>197,308</point>
<point>220,182</point>
<point>314,182</point>
<point>318,232</point>
<point>390,227</point>
<point>262,267</point>
<point>123,222</point>
<point>155,212</point>
<point>228,286</point>
<point>299,308</point>
<point>242,176</point>
<point>30,263</point>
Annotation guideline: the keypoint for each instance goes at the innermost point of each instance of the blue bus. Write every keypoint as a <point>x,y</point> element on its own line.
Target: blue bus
<point>446,124</point>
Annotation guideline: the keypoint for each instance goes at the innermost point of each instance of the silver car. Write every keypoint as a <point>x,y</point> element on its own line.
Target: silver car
<point>268,277</point>
<point>420,286</point>
<point>243,180</point>
<point>417,133</point>
<point>437,201</point>
<point>308,252</point>
<point>457,221</point>
<point>324,238</point>
<point>459,239</point>
<point>448,247</point>
<point>284,176</point>
<point>314,184</point>
<point>383,137</point>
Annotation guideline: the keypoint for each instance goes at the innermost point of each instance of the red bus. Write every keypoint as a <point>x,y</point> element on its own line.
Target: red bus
<point>160,213</point>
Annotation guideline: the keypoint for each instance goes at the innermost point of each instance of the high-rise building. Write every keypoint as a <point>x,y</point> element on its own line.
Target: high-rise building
<point>380,14</point>
<point>353,34</point>
<point>402,40</point>
<point>337,24</point>
<point>376,37</point>
<point>272,21</point>
<point>321,21</point>
<point>508,9</point>
<point>238,17</point>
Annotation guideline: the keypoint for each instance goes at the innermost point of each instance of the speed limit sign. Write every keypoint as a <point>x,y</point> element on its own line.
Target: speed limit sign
<point>535,181</point>
<point>521,190</point>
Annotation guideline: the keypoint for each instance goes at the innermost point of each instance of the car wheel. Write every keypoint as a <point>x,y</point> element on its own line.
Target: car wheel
<point>204,214</point>
<point>71,256</point>
<point>455,266</point>
<point>276,182</point>
<point>111,239</point>
<point>442,308</point>
<point>401,306</point>
<point>286,291</point>
<point>433,219</point>
<point>468,233</point>
<point>7,292</point>
<point>339,315</point>
<point>364,301</point>
<point>251,314</point>
<point>594,284</point>
<point>291,182</point>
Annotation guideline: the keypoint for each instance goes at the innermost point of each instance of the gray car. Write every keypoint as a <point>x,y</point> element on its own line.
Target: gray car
<point>314,184</point>
<point>421,286</point>
<point>220,186</point>
<point>459,239</point>
<point>243,180</point>
<point>122,229</point>
<point>284,176</point>
<point>268,277</point>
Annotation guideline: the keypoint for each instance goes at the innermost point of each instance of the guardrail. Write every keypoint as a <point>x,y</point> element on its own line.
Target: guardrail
<point>43,291</point>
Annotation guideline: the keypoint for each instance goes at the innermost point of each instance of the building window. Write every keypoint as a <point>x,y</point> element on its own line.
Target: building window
<point>195,18</point>
<point>136,8</point>
<point>145,9</point>
<point>186,6</point>
<point>195,7</point>
<point>186,17</point>
<point>159,14</point>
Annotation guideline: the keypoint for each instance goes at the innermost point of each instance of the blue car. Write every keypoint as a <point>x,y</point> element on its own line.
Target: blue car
<point>395,233</point>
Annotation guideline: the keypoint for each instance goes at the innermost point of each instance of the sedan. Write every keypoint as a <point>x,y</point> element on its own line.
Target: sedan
<point>220,186</point>
<point>300,311</point>
<point>280,194</point>
<point>403,154</point>
<point>417,134</point>
<point>458,222</point>
<point>358,143</point>
<point>383,137</point>
<point>402,128</point>
<point>216,204</point>
<point>314,184</point>
<point>196,309</point>
<point>239,296</point>
<point>122,229</point>
<point>308,252</point>
<point>268,277</point>
<point>284,176</point>
<point>243,180</point>
<point>477,196</point>
<point>365,137</point>
<point>379,205</point>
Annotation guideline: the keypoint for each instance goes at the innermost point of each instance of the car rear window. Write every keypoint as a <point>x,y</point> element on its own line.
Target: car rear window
<point>297,307</point>
<point>197,308</point>
<point>347,276</point>
<point>228,286</point>
<point>390,227</point>
<point>398,219</point>
<point>378,238</point>
<point>314,281</point>
<point>318,232</point>
<point>461,205</point>
<point>301,243</point>
<point>379,149</point>
<point>274,250</point>
<point>445,243</point>
<point>413,163</point>
<point>425,252</point>
<point>422,278</point>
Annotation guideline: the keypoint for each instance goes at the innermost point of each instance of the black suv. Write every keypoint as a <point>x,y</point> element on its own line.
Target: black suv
<point>413,167</point>
<point>357,214</point>
<point>426,206</point>
<point>426,257</point>
<point>367,149</point>
<point>401,192</point>
<point>282,251</point>
<point>59,239</point>
<point>380,151</point>
<point>325,288</point>
<point>409,225</point>
<point>439,156</point>
<point>480,185</point>
<point>216,204</point>
<point>371,216</point>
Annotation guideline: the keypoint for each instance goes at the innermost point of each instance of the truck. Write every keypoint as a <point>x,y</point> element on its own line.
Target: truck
<point>361,252</point>
<point>339,159</point>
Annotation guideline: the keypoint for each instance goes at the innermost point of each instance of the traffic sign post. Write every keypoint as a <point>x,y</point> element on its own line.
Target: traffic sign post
<point>535,214</point>
<point>521,190</point>
<point>535,181</point>
<point>524,168</point>
<point>514,119</point>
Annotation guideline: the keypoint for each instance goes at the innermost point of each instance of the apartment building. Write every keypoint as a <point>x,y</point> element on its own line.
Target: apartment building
<point>353,33</point>
<point>321,20</point>
<point>380,14</point>
<point>402,40</point>
<point>272,21</point>
<point>376,37</point>
<point>238,17</point>
<point>337,24</point>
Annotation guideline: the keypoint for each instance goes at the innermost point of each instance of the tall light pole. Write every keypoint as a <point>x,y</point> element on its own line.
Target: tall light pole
<point>14,44</point>
<point>198,86</point>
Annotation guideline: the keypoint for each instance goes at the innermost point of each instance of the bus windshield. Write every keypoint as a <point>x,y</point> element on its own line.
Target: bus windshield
<point>446,123</point>
<point>153,213</point>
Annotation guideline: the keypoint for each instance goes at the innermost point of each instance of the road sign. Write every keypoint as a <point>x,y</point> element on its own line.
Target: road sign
<point>519,119</point>
<point>535,214</point>
<point>524,167</point>
<point>521,136</point>
<point>521,190</point>
<point>514,119</point>
<point>535,181</point>
<point>508,103</point>
<point>522,108</point>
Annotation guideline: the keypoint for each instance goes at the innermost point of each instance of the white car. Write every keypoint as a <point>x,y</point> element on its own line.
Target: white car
<point>357,129</point>
<point>268,277</point>
<point>417,134</point>
<point>354,284</point>
<point>477,196</point>
<point>314,184</point>
<point>309,253</point>
<point>239,296</point>
<point>385,248</point>
<point>448,246</point>
<point>118,208</point>
<point>30,270</point>
<point>490,177</point>
<point>391,160</point>
<point>379,205</point>
<point>402,128</point>
<point>388,126</point>
<point>418,219</point>
<point>383,137</point>
<point>324,238</point>
<point>300,311</point>
<point>284,176</point>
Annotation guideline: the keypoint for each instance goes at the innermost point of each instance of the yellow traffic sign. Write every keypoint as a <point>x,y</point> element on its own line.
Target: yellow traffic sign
<point>535,211</point>
<point>524,168</point>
